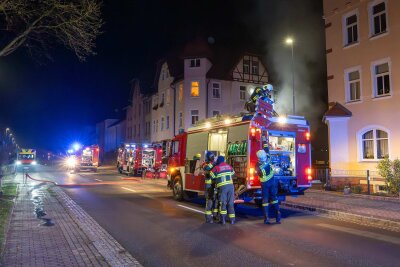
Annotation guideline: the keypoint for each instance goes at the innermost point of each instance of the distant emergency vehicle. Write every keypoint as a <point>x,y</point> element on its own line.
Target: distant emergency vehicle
<point>86,158</point>
<point>26,157</point>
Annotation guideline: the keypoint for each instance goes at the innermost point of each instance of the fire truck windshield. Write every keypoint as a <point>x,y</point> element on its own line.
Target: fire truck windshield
<point>26,156</point>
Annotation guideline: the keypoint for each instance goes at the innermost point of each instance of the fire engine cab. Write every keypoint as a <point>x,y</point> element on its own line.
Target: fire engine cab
<point>239,139</point>
<point>86,158</point>
<point>133,159</point>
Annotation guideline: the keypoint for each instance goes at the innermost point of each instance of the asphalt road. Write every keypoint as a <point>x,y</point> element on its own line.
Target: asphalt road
<point>159,231</point>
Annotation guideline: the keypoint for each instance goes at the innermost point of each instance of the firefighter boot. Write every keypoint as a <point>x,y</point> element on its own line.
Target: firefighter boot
<point>277,213</point>
<point>209,219</point>
<point>232,220</point>
<point>266,210</point>
<point>222,219</point>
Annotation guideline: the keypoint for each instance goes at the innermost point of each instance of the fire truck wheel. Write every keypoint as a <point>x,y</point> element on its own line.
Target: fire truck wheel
<point>177,188</point>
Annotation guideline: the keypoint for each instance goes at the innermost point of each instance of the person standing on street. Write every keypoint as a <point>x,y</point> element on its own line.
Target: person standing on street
<point>209,187</point>
<point>269,186</point>
<point>222,174</point>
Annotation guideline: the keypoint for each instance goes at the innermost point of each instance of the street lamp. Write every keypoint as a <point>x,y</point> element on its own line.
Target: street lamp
<point>290,41</point>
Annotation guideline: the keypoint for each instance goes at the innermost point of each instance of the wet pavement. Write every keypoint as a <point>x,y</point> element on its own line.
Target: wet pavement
<point>44,231</point>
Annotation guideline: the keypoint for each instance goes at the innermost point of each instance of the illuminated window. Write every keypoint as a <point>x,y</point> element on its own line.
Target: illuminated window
<point>180,92</point>
<point>195,116</point>
<point>195,90</point>
<point>195,62</point>
<point>374,144</point>
<point>216,90</point>
<point>242,93</point>
<point>246,66</point>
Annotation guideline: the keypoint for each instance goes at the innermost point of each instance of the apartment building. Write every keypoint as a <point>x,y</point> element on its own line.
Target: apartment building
<point>363,63</point>
<point>192,84</point>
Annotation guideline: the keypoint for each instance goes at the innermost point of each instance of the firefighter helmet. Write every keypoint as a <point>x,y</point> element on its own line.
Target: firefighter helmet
<point>262,155</point>
<point>197,156</point>
<point>268,87</point>
<point>210,156</point>
<point>220,159</point>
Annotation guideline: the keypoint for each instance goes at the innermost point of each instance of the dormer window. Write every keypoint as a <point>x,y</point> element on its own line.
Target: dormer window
<point>254,67</point>
<point>246,66</point>
<point>195,62</point>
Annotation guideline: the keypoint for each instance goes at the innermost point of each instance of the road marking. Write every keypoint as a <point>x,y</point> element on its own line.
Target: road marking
<point>132,190</point>
<point>195,210</point>
<point>362,233</point>
<point>99,180</point>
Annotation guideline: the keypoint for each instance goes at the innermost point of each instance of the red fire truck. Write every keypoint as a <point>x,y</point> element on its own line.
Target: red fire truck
<point>239,139</point>
<point>26,157</point>
<point>86,158</point>
<point>159,169</point>
<point>133,159</point>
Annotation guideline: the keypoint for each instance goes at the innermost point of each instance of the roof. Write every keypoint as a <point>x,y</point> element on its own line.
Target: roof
<point>115,123</point>
<point>337,110</point>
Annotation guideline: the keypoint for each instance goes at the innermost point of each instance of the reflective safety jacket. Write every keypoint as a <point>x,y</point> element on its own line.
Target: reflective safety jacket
<point>264,171</point>
<point>207,167</point>
<point>222,174</point>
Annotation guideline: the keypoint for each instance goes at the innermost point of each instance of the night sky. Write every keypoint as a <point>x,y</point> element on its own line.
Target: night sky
<point>48,103</point>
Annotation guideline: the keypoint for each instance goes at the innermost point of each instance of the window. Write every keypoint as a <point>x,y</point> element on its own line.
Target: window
<point>138,132</point>
<point>378,22</point>
<point>167,123</point>
<point>180,92</point>
<point>180,120</point>
<point>216,90</point>
<point>162,99</point>
<point>168,98</point>
<point>246,66</point>
<point>140,108</point>
<point>195,62</point>
<point>351,29</point>
<point>195,116</point>
<point>353,84</point>
<point>242,92</point>
<point>154,126</point>
<point>195,90</point>
<point>374,144</point>
<point>381,82</point>
<point>134,130</point>
<point>215,113</point>
<point>254,67</point>
<point>162,124</point>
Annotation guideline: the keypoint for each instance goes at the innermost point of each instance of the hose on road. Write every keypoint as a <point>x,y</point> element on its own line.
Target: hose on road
<point>38,180</point>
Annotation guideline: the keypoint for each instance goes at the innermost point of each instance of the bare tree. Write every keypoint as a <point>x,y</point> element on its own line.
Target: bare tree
<point>39,24</point>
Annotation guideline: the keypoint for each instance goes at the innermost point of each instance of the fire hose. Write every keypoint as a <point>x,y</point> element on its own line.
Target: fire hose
<point>38,180</point>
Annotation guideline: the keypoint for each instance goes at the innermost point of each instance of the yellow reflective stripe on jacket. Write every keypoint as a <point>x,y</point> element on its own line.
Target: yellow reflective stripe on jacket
<point>212,175</point>
<point>266,177</point>
<point>225,183</point>
<point>207,181</point>
<point>224,174</point>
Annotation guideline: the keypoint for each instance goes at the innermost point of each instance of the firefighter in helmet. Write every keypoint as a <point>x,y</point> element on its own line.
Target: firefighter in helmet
<point>269,186</point>
<point>259,92</point>
<point>222,174</point>
<point>209,187</point>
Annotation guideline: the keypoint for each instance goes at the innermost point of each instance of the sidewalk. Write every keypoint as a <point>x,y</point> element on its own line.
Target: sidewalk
<point>69,236</point>
<point>367,210</point>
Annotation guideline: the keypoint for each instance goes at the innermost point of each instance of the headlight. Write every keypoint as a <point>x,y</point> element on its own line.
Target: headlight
<point>71,162</point>
<point>34,162</point>
<point>18,162</point>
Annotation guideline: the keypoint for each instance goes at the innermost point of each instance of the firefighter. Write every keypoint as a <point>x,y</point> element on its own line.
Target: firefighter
<point>263,92</point>
<point>222,174</point>
<point>211,209</point>
<point>269,186</point>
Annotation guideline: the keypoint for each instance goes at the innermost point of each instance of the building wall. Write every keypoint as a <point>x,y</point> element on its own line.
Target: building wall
<point>370,111</point>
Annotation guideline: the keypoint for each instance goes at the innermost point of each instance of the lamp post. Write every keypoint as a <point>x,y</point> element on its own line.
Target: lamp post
<point>290,41</point>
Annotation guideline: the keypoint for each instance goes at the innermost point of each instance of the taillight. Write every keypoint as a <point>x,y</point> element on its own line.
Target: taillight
<point>253,131</point>
<point>251,171</point>
<point>308,173</point>
<point>307,135</point>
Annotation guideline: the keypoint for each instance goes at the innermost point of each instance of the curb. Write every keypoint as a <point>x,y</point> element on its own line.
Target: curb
<point>349,217</point>
<point>380,198</point>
